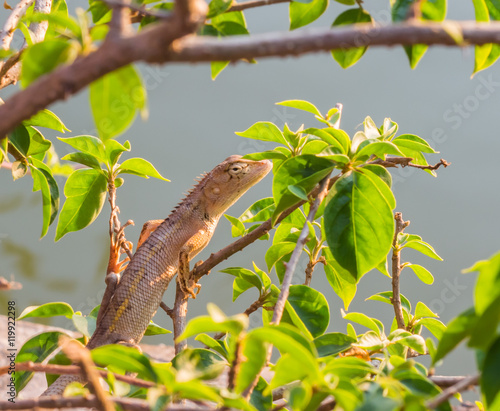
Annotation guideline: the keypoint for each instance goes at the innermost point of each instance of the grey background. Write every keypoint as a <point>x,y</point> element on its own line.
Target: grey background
<point>191,128</point>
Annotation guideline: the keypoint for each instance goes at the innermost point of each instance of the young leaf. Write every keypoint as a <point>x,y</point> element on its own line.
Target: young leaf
<point>85,192</point>
<point>422,273</point>
<point>83,158</point>
<point>264,131</point>
<point>424,248</point>
<point>363,319</point>
<point>488,283</point>
<point>237,227</point>
<point>359,224</point>
<point>301,105</point>
<point>261,210</point>
<point>421,310</point>
<point>386,297</point>
<point>114,150</point>
<point>413,142</point>
<point>301,14</point>
<point>348,57</point>
<point>436,327</point>
<point>155,329</point>
<point>114,99</point>
<point>140,167</point>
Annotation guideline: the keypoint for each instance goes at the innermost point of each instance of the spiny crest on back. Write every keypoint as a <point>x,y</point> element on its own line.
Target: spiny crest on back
<point>201,181</point>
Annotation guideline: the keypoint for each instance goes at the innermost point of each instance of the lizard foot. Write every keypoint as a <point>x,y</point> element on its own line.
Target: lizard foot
<point>191,290</point>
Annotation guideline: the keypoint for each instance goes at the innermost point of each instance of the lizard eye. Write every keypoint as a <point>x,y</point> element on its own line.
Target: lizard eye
<point>236,169</point>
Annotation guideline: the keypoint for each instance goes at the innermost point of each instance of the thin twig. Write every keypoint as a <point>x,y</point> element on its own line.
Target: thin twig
<point>167,309</point>
<point>90,401</point>
<point>442,162</point>
<point>254,3</point>
<point>81,356</point>
<point>139,8</point>
<point>449,392</point>
<point>279,307</point>
<point>73,370</point>
<point>235,367</point>
<point>396,270</point>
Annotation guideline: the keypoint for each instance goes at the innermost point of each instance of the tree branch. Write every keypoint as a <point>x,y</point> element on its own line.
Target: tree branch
<point>152,45</point>
<point>73,370</point>
<point>396,270</point>
<point>255,3</point>
<point>449,392</point>
<point>10,25</point>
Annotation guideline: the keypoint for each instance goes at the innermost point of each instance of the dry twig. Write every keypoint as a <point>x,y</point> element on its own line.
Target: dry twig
<point>449,392</point>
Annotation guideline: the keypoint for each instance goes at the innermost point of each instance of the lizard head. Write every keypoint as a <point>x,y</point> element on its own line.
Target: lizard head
<point>227,182</point>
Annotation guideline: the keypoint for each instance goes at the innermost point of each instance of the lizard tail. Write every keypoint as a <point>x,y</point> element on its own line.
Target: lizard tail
<point>58,386</point>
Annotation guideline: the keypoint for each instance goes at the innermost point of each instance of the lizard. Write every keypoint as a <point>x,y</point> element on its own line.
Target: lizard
<point>170,246</point>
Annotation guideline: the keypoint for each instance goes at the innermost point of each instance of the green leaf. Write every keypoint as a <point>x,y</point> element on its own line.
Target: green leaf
<point>198,363</point>
<point>421,310</point>
<point>261,210</point>
<point>20,139</point>
<point>237,227</point>
<point>212,343</point>
<point>53,187</point>
<point>114,150</point>
<point>265,131</point>
<point>216,322</point>
<point>217,7</point>
<point>84,324</point>
<point>377,148</point>
<point>121,358</point>
<point>424,248</point>
<point>422,273</point>
<point>47,310</point>
<point>348,57</point>
<point>359,224</point>
<point>490,379</point>
<point>254,352</point>
<point>216,68</point>
<point>301,105</point>
<point>488,283</point>
<point>46,118</point>
<point>458,329</point>
<point>38,143</point>
<point>277,251</point>
<point>42,58</point>
<point>413,142</point>
<point>36,349</point>
<point>311,307</point>
<point>430,10</point>
<point>83,158</point>
<point>40,181</point>
<point>114,99</point>
<point>244,275</point>
<point>140,167</point>
<point>340,279</point>
<point>85,192</point>
<point>335,137</point>
<point>155,329</point>
<point>302,14</point>
<point>19,170</point>
<point>386,297</point>
<point>436,327</point>
<point>414,341</point>
<point>305,171</point>
<point>363,319</point>
<point>333,343</point>
<point>88,145</point>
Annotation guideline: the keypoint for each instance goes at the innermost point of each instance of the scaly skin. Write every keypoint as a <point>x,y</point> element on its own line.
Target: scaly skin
<point>179,237</point>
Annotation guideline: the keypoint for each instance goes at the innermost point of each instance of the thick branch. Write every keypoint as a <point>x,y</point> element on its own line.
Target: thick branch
<point>152,45</point>
<point>198,49</point>
<point>10,25</point>
<point>396,270</point>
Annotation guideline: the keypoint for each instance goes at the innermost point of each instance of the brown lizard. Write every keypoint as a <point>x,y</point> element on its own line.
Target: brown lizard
<point>168,250</point>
